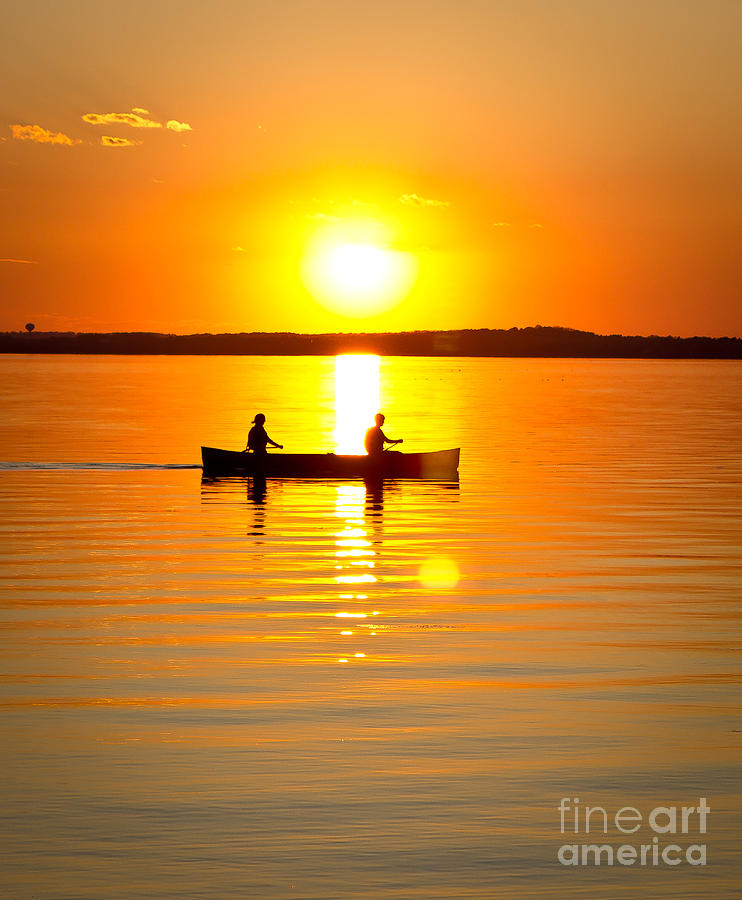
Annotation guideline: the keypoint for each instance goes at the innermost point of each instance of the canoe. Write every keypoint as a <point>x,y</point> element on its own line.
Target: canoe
<point>440,464</point>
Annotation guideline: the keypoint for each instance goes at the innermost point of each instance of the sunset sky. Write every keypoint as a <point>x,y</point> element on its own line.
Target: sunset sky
<point>325,166</point>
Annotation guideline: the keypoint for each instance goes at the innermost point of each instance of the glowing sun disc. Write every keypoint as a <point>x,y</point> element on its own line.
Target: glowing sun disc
<point>357,278</point>
<point>358,268</point>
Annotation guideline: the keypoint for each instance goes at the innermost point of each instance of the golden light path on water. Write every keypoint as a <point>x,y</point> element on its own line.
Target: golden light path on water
<point>357,399</point>
<point>354,555</point>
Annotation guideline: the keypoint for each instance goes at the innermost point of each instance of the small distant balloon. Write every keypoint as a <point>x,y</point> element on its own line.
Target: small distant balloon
<point>30,327</point>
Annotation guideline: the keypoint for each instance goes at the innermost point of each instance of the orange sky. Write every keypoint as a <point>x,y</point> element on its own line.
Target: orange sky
<point>557,163</point>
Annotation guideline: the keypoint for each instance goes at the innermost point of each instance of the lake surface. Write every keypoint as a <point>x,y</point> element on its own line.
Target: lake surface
<point>328,689</point>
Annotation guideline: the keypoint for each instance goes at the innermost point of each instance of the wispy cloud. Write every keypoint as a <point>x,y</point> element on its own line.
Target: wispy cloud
<point>108,141</point>
<point>417,200</point>
<point>133,119</point>
<point>25,262</point>
<point>40,135</point>
<point>518,225</point>
<point>139,117</point>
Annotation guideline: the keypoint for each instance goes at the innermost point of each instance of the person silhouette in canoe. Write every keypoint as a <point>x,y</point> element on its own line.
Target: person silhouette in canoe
<point>257,439</point>
<point>375,437</point>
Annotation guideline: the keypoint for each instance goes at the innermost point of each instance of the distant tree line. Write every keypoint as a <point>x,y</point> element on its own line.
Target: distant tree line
<point>538,341</point>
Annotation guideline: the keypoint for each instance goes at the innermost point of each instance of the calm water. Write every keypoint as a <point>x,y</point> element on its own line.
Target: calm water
<point>324,690</point>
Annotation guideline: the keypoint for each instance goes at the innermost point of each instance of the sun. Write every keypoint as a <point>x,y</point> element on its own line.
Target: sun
<point>358,269</point>
<point>356,277</point>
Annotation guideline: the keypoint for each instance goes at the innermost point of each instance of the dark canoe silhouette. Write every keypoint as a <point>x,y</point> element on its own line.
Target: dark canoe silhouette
<point>440,464</point>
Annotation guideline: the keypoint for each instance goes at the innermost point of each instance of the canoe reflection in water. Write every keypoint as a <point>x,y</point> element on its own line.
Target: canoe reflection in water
<point>257,489</point>
<point>301,505</point>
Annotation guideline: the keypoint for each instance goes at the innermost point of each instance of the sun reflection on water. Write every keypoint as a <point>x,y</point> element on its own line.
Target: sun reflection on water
<point>357,392</point>
<point>353,550</point>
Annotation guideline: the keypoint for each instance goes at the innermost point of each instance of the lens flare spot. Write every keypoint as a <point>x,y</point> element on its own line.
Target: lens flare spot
<point>439,573</point>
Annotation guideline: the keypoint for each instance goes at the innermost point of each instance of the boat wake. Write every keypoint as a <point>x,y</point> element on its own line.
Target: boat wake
<point>104,466</point>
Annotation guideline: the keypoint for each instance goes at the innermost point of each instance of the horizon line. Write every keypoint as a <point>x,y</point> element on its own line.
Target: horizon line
<point>436,331</point>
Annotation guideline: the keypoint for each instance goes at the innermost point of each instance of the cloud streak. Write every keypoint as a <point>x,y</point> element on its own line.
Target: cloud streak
<point>24,262</point>
<point>40,135</point>
<point>417,200</point>
<point>132,119</point>
<point>139,117</point>
<point>108,141</point>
